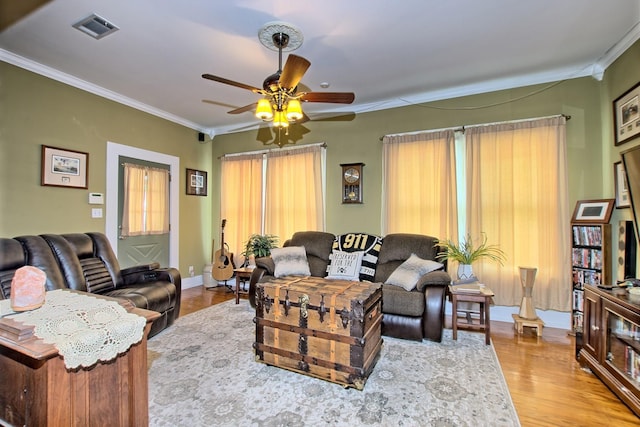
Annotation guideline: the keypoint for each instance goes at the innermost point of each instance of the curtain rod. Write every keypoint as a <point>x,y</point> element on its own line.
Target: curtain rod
<point>297,147</point>
<point>463,127</point>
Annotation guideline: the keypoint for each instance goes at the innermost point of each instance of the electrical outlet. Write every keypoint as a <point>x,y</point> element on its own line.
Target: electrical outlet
<point>191,271</point>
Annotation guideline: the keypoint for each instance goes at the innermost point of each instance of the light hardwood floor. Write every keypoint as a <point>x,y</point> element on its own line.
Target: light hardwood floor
<point>547,385</point>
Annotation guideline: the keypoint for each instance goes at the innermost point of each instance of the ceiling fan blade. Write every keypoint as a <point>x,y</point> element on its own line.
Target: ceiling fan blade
<point>244,109</point>
<point>231,82</point>
<point>293,70</point>
<point>332,97</point>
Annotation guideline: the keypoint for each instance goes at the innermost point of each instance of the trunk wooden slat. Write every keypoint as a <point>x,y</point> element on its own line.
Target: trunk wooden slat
<point>329,329</point>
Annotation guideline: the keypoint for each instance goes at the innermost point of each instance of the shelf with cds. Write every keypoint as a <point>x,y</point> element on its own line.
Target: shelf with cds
<point>611,347</point>
<point>590,260</point>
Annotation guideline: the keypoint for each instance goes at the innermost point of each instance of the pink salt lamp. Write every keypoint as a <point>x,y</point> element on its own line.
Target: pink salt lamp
<point>27,288</point>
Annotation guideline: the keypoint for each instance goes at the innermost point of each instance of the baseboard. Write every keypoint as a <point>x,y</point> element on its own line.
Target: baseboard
<point>551,318</point>
<point>192,282</point>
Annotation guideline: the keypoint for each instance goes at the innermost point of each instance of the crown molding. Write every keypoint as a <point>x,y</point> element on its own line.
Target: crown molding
<point>595,70</point>
<point>70,80</point>
<point>617,50</point>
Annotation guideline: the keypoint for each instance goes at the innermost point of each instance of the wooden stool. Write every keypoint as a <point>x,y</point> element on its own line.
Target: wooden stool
<point>521,322</point>
<point>243,275</point>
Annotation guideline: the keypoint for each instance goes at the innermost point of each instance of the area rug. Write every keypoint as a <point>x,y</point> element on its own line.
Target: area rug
<point>203,373</point>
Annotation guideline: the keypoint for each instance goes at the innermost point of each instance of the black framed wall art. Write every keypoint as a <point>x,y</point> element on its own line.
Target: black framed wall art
<point>196,182</point>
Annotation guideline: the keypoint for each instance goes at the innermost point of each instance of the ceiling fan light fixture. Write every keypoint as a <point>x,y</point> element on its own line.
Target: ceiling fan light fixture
<point>263,110</point>
<point>294,110</point>
<point>280,120</point>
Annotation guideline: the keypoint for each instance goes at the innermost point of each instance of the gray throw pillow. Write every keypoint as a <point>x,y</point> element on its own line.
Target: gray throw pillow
<point>410,271</point>
<point>290,261</point>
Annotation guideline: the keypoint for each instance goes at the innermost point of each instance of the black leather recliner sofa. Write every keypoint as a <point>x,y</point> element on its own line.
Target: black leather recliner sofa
<point>86,262</point>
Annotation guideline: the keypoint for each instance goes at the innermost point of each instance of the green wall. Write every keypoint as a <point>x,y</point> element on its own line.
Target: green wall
<point>36,111</point>
<point>359,140</point>
<point>622,75</point>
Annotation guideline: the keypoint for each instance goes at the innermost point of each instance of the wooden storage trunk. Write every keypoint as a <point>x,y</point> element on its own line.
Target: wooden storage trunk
<point>329,329</point>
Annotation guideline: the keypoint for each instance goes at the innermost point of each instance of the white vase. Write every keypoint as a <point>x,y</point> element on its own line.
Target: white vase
<point>465,272</point>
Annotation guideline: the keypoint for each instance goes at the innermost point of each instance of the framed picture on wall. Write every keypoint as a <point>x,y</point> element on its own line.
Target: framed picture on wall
<point>64,168</point>
<point>622,191</point>
<point>626,116</point>
<point>593,211</point>
<point>196,182</point>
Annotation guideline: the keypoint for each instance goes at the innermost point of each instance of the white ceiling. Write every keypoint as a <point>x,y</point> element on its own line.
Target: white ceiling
<point>390,53</point>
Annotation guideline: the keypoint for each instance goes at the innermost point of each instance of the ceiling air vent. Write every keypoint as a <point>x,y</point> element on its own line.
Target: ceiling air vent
<point>95,26</point>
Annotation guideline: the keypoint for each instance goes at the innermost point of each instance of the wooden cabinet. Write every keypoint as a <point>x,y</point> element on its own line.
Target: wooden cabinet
<point>611,346</point>
<point>591,265</point>
<point>592,314</point>
<point>37,390</point>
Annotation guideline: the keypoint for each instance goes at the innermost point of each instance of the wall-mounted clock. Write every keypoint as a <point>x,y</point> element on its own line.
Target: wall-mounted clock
<point>352,182</point>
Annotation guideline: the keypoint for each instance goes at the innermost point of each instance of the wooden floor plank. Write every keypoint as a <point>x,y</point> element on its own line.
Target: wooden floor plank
<point>547,384</point>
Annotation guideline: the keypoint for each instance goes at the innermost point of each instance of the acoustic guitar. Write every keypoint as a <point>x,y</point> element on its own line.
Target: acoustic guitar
<point>223,260</point>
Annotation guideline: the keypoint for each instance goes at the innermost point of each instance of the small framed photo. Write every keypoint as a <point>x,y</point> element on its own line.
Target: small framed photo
<point>196,182</point>
<point>622,190</point>
<point>593,211</point>
<point>626,117</point>
<point>64,168</point>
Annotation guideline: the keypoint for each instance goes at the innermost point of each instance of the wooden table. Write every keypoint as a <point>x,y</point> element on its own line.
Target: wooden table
<point>37,389</point>
<point>484,297</point>
<point>242,275</point>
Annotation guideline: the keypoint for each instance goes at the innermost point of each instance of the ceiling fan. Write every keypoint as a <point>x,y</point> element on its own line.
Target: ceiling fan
<point>281,102</point>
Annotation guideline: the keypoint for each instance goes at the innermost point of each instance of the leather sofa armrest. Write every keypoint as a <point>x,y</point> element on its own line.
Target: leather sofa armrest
<point>267,264</point>
<point>433,316</point>
<point>139,268</point>
<point>256,276</point>
<point>149,273</point>
<point>433,278</point>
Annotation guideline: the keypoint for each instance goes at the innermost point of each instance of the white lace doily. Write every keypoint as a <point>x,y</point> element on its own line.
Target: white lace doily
<point>83,328</point>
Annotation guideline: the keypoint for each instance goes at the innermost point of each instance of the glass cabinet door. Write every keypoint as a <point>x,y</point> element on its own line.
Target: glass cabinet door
<point>622,343</point>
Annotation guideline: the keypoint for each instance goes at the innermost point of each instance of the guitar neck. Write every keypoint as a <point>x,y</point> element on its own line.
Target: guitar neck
<point>224,223</point>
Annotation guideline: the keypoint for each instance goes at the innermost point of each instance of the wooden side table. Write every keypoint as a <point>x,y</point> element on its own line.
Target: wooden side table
<point>39,390</point>
<point>243,275</point>
<point>484,297</point>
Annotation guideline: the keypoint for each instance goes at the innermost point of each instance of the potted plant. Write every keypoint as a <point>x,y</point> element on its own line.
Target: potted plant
<point>259,245</point>
<point>466,253</point>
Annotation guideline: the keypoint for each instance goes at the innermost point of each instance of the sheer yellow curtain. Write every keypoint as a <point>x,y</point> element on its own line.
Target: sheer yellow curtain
<point>294,191</point>
<point>133,201</point>
<point>241,200</point>
<point>517,193</point>
<point>146,200</point>
<point>420,184</point>
<point>157,201</point>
